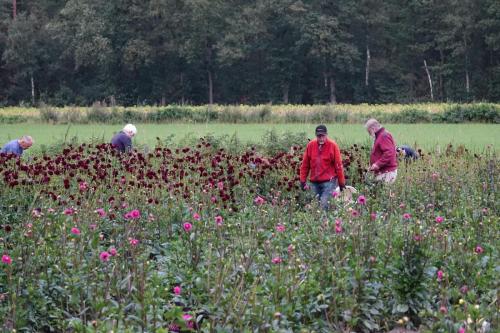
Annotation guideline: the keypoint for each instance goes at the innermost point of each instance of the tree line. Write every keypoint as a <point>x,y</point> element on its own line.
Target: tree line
<point>133,52</point>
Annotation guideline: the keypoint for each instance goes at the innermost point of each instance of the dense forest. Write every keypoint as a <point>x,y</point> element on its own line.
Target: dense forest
<point>134,52</point>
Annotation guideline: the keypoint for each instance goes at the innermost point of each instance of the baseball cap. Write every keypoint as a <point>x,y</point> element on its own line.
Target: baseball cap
<point>321,129</point>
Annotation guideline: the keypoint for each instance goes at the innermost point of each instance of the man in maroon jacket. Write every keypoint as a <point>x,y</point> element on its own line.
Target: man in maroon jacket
<point>383,158</point>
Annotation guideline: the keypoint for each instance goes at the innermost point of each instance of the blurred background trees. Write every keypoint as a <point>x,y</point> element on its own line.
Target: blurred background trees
<point>133,52</point>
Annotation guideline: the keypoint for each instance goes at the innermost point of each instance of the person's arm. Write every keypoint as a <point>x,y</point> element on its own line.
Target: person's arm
<point>127,144</point>
<point>388,152</point>
<point>304,167</point>
<point>337,164</point>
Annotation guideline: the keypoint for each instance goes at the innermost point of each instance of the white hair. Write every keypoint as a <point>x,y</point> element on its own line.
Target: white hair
<point>131,129</point>
<point>372,123</point>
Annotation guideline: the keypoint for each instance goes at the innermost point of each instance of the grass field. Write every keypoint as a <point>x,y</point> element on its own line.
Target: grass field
<point>473,136</point>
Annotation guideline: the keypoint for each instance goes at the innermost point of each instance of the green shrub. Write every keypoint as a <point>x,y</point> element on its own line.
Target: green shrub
<point>170,113</point>
<point>207,115</point>
<point>412,116</point>
<point>411,113</point>
<point>273,143</point>
<point>264,114</point>
<point>294,117</point>
<point>482,112</point>
<point>341,116</point>
<point>15,119</point>
<point>322,115</point>
<point>383,117</point>
<point>98,114</point>
<point>49,115</point>
<point>73,116</point>
<point>129,116</point>
<point>231,114</point>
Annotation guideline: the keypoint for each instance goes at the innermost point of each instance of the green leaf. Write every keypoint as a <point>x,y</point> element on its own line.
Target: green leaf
<point>401,308</point>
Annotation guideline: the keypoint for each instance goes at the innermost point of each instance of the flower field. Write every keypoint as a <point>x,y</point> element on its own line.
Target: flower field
<point>203,238</point>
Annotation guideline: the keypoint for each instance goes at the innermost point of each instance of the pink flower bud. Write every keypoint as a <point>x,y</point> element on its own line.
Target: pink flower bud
<point>101,212</point>
<point>219,220</point>
<point>259,200</point>
<point>280,228</point>
<point>104,256</point>
<point>361,200</point>
<point>187,227</point>
<point>6,259</point>
<point>83,186</point>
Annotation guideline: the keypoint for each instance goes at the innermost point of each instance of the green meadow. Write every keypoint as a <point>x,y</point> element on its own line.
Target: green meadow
<point>428,136</point>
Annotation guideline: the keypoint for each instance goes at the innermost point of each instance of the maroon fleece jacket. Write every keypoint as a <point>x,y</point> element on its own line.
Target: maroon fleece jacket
<point>384,152</point>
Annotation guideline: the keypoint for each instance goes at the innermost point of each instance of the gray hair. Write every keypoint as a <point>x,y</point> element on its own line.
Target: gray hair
<point>27,139</point>
<point>372,123</point>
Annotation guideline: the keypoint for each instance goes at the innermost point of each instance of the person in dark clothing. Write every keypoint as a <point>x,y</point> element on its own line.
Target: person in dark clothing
<point>407,152</point>
<point>122,141</point>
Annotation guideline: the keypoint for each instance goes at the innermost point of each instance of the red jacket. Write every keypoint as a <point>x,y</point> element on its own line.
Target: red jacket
<point>384,152</point>
<point>323,164</point>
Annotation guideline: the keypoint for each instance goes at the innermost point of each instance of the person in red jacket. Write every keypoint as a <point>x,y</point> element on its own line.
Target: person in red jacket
<point>323,164</point>
<point>383,158</point>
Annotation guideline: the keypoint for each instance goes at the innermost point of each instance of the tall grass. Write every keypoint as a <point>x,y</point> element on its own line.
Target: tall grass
<point>340,113</point>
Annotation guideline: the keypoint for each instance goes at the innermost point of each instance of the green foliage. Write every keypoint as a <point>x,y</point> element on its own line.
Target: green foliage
<point>15,119</point>
<point>407,114</point>
<point>99,114</point>
<point>49,115</point>
<point>204,52</point>
<point>279,265</point>
<point>273,143</point>
<point>482,112</point>
<point>411,281</point>
<point>412,116</point>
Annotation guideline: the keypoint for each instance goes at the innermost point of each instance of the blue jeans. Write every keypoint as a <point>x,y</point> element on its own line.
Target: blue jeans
<point>324,191</point>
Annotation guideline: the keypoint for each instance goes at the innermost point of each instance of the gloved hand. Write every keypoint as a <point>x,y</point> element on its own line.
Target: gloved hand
<point>303,186</point>
<point>342,187</point>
